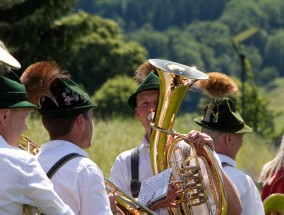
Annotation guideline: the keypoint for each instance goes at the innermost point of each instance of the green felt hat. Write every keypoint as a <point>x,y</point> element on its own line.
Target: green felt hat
<point>53,91</point>
<point>12,93</point>
<point>151,82</point>
<point>221,115</point>
<point>68,99</point>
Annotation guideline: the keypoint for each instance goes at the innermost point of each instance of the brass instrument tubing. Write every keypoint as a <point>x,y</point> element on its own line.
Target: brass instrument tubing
<point>116,188</point>
<point>172,132</point>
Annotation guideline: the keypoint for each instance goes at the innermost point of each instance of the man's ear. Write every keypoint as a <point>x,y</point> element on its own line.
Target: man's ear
<point>227,139</point>
<point>80,121</point>
<point>137,114</point>
<point>3,116</point>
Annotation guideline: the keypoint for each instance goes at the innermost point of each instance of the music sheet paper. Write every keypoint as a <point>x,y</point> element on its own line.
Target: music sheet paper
<point>155,188</point>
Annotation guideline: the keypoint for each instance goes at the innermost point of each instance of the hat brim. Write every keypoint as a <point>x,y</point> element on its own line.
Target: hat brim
<point>132,98</point>
<point>22,104</point>
<point>245,129</point>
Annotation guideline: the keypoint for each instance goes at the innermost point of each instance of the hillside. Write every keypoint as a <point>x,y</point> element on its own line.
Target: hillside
<point>209,34</point>
<point>274,93</point>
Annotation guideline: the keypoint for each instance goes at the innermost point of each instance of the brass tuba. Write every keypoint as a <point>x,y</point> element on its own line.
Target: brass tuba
<point>196,198</point>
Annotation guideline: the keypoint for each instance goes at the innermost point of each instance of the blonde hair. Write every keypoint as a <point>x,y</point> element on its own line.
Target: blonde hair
<point>273,166</point>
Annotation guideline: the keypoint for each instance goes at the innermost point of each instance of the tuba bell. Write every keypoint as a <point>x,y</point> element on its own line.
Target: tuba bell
<point>196,198</point>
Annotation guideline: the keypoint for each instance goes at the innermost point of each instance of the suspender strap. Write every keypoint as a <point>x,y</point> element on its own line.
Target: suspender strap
<point>224,164</point>
<point>135,182</point>
<point>61,162</point>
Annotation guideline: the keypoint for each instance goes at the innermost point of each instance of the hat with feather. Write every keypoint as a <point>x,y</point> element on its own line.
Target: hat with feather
<point>145,75</point>
<point>221,114</point>
<point>51,88</point>
<point>12,92</point>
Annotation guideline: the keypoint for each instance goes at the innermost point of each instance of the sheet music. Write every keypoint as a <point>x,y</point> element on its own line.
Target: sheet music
<point>155,187</point>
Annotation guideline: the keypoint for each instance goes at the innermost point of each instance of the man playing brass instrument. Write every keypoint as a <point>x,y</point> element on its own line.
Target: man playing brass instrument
<point>143,101</point>
<point>67,116</point>
<point>22,179</point>
<point>225,125</point>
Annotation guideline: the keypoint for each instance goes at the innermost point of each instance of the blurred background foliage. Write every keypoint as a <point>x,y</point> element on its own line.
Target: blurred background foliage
<point>102,42</point>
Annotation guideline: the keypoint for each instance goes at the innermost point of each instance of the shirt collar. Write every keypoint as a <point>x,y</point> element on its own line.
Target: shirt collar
<point>64,145</point>
<point>145,143</point>
<point>228,160</point>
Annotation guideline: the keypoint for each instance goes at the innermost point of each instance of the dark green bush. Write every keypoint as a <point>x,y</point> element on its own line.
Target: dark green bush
<point>112,97</point>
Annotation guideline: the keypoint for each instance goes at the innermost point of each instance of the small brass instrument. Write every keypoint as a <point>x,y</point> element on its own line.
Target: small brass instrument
<point>29,145</point>
<point>32,147</point>
<point>175,80</point>
<point>126,203</point>
<point>274,204</point>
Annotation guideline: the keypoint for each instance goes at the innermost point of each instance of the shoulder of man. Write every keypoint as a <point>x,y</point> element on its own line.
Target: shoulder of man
<point>125,155</point>
<point>17,155</point>
<point>85,166</point>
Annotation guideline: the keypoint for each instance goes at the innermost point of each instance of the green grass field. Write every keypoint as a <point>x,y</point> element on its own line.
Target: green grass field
<point>117,135</point>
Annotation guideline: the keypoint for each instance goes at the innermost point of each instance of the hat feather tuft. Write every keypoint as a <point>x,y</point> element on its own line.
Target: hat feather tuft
<point>218,85</point>
<point>38,78</point>
<point>143,71</point>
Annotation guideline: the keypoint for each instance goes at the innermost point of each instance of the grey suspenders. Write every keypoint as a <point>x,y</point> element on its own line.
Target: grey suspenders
<point>135,182</point>
<point>224,164</point>
<point>60,163</point>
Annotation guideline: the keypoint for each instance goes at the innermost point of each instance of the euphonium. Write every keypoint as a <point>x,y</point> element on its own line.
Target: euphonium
<point>175,80</point>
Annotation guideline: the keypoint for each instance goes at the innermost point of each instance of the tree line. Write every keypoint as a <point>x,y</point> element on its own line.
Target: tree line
<point>101,43</point>
<point>201,32</point>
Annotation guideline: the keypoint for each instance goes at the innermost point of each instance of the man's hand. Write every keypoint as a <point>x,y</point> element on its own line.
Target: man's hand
<point>199,139</point>
<point>173,193</point>
<point>113,204</point>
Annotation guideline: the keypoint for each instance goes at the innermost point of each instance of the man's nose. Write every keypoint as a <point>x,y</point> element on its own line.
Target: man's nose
<point>153,107</point>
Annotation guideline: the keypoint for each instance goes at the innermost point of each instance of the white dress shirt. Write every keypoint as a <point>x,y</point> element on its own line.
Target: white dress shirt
<point>79,182</point>
<point>121,171</point>
<point>24,182</point>
<point>250,198</point>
